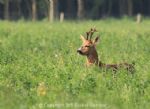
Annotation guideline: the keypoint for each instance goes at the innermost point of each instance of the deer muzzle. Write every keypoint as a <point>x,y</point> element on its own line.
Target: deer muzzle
<point>79,51</point>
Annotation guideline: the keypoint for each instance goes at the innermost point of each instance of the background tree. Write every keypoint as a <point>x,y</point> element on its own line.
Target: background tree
<point>80,11</point>
<point>69,8</point>
<point>110,3</point>
<point>34,10</point>
<point>130,7</point>
<point>18,8</point>
<point>123,7</point>
<point>15,9</point>
<point>6,9</point>
<point>55,6</point>
<point>50,10</point>
<point>93,9</point>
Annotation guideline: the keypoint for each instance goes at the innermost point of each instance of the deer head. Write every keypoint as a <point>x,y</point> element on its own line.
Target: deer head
<point>88,45</point>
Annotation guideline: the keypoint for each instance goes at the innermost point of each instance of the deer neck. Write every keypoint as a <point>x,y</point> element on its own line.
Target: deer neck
<point>92,58</point>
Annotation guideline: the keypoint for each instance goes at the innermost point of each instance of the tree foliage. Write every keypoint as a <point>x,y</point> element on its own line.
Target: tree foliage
<point>16,9</point>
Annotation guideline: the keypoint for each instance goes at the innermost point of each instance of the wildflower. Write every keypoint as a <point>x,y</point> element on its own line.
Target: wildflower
<point>41,89</point>
<point>56,55</point>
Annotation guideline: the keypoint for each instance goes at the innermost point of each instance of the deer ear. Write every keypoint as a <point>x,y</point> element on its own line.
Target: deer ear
<point>96,40</point>
<point>82,38</point>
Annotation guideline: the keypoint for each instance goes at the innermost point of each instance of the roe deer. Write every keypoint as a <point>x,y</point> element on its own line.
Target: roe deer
<point>88,49</point>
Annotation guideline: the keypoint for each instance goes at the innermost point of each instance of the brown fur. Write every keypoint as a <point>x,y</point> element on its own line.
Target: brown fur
<point>88,49</point>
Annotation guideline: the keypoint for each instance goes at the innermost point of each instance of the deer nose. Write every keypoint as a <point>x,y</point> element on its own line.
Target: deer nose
<point>79,50</point>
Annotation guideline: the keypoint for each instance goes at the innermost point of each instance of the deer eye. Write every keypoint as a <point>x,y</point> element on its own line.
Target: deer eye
<point>87,46</point>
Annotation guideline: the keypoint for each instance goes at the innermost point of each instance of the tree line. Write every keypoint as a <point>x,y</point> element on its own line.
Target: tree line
<point>71,9</point>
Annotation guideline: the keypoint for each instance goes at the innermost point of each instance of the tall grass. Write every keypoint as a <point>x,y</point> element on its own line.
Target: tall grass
<point>39,66</point>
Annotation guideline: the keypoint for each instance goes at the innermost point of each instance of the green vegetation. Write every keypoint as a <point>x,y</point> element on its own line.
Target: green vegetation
<point>39,66</point>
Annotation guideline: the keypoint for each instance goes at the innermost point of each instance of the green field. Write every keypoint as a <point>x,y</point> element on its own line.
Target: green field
<point>40,68</point>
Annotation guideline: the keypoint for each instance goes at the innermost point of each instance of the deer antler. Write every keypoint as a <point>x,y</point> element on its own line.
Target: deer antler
<point>91,32</point>
<point>87,35</point>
